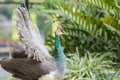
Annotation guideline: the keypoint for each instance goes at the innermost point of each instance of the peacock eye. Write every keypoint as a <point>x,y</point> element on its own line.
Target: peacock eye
<point>62,30</point>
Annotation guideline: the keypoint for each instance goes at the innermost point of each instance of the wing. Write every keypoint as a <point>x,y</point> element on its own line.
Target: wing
<point>30,37</point>
<point>26,68</point>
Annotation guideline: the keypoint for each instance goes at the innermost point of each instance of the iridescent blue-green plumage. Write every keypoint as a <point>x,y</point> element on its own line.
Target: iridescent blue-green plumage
<point>59,56</point>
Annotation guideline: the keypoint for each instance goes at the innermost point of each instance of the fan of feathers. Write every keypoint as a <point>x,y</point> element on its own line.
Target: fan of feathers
<point>30,59</point>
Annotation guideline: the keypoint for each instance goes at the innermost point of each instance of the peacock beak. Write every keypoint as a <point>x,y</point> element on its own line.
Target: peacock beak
<point>63,32</point>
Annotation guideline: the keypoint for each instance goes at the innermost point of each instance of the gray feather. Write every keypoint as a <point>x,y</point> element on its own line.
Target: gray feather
<point>17,50</point>
<point>32,39</point>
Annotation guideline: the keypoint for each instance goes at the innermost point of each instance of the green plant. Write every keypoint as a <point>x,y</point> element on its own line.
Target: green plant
<point>91,25</point>
<point>91,67</point>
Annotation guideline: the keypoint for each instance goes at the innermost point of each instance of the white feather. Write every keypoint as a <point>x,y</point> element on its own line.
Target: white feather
<point>50,76</point>
<point>32,39</point>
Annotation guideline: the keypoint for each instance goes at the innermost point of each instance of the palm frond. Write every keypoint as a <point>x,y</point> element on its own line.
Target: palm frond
<point>87,21</point>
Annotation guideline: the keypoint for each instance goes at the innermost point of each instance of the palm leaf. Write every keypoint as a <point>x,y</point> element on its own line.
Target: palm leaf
<point>90,25</point>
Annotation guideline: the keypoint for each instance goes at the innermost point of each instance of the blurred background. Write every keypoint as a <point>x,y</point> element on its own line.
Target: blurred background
<point>92,45</point>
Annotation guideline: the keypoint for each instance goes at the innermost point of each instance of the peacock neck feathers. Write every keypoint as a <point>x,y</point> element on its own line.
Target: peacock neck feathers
<point>59,56</point>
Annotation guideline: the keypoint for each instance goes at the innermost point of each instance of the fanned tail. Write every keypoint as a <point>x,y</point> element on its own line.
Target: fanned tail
<point>30,37</point>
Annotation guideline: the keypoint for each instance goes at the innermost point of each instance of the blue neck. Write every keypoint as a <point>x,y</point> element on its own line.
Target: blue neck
<point>59,55</point>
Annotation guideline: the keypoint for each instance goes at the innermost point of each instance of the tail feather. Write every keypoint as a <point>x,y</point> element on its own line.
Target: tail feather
<point>32,39</point>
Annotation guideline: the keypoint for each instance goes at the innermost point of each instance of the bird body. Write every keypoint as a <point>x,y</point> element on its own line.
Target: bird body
<point>33,61</point>
<point>29,69</point>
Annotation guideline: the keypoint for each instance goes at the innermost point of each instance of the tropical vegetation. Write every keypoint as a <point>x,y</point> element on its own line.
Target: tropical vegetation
<point>92,46</point>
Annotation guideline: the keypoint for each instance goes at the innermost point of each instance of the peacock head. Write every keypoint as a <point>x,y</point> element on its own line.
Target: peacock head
<point>59,31</point>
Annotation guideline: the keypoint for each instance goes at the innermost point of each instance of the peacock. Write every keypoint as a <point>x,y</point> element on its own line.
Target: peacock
<point>31,60</point>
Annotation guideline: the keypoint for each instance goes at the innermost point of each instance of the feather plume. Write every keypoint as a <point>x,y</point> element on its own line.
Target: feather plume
<point>31,38</point>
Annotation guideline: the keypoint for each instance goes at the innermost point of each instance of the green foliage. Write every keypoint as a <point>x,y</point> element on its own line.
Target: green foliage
<point>92,25</point>
<point>91,67</point>
<point>90,28</point>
